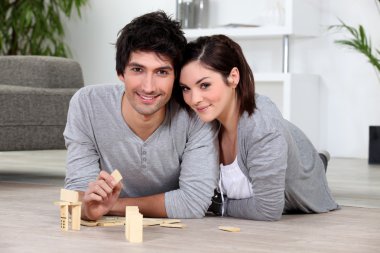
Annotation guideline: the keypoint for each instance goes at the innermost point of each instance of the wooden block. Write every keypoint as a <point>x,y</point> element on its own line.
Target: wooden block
<point>136,228</point>
<point>76,203</point>
<point>116,175</point>
<point>229,229</point>
<point>109,221</point>
<point>64,214</point>
<point>69,195</point>
<point>62,203</point>
<point>75,217</point>
<point>154,222</point>
<point>173,225</point>
<point>89,223</point>
<point>170,221</point>
<point>111,224</point>
<point>106,221</point>
<point>133,224</point>
<point>151,222</point>
<point>127,228</point>
<point>131,210</point>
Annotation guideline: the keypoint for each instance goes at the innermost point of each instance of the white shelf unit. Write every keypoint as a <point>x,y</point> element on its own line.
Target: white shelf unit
<point>296,95</point>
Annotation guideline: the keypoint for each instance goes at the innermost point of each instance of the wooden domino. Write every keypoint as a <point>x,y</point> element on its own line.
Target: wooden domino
<point>69,195</point>
<point>172,225</point>
<point>229,229</point>
<point>116,175</point>
<point>133,224</point>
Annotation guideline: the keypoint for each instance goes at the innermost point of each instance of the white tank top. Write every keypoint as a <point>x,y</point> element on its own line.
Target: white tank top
<point>233,182</point>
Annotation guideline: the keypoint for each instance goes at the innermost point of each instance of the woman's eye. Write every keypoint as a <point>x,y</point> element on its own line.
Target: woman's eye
<point>184,88</point>
<point>204,85</point>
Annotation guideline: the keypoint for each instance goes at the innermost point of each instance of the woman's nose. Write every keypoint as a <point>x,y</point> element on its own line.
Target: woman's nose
<point>196,97</point>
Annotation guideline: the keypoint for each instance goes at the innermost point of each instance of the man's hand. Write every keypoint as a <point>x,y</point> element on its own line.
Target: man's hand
<point>100,196</point>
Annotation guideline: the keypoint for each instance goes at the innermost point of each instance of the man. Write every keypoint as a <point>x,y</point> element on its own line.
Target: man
<point>167,157</point>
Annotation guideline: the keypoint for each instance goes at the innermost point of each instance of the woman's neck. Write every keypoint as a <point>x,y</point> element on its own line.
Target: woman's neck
<point>228,133</point>
<point>229,118</point>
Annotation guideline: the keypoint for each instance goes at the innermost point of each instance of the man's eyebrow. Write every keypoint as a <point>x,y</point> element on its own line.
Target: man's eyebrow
<point>167,67</point>
<point>135,64</point>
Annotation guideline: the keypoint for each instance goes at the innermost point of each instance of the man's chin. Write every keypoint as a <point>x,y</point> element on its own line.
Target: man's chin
<point>148,110</point>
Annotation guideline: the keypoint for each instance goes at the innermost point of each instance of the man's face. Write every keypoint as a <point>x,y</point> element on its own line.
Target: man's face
<point>148,80</point>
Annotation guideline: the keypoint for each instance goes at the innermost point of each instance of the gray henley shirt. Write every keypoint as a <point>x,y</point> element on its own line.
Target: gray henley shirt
<point>179,159</point>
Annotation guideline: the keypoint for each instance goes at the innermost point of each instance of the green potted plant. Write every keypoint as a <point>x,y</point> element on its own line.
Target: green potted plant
<point>361,42</point>
<point>35,27</point>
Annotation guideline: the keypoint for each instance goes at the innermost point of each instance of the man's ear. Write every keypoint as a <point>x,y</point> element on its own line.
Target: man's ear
<point>121,77</point>
<point>234,77</point>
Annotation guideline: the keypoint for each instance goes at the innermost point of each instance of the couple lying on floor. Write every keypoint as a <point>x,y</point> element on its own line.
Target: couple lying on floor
<point>187,121</point>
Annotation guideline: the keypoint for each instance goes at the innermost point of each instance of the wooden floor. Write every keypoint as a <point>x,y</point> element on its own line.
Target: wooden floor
<point>30,183</point>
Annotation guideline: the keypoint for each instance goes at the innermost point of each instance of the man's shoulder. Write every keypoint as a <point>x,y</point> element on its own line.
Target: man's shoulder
<point>188,121</point>
<point>100,89</point>
<point>98,92</point>
<point>180,116</point>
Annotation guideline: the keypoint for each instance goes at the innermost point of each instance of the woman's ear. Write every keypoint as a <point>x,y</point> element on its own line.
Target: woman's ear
<point>234,77</point>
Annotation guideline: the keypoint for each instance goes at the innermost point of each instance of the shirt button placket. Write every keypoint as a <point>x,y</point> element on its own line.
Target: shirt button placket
<point>143,157</point>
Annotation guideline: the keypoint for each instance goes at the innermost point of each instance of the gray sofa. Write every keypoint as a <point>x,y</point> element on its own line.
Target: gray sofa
<point>35,92</point>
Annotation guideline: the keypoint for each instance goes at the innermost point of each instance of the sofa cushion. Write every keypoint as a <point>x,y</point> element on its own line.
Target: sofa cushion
<point>40,71</point>
<point>31,137</point>
<point>25,106</point>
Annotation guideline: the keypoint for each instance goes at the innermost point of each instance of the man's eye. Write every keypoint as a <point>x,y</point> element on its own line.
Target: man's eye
<point>162,72</point>
<point>136,69</point>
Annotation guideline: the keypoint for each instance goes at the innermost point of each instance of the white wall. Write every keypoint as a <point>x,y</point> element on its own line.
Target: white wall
<point>350,91</point>
<point>91,38</point>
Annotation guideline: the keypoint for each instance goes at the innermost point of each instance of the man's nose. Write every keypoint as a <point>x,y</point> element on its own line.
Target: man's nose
<point>148,85</point>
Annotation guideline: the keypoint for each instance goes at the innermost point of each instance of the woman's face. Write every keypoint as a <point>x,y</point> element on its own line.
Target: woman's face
<point>206,92</point>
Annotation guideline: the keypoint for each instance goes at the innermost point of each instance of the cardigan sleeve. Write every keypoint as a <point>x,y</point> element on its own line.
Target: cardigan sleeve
<point>264,155</point>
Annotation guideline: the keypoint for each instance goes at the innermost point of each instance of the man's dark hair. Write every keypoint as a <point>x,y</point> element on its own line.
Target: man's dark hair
<point>153,32</point>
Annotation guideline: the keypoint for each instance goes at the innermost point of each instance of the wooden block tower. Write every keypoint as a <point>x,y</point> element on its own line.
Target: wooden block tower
<point>69,200</point>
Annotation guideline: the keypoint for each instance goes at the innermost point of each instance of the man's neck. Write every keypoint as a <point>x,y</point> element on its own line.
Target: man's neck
<point>142,125</point>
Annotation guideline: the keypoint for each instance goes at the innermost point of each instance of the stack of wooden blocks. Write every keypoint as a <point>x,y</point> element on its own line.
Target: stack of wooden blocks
<point>69,199</point>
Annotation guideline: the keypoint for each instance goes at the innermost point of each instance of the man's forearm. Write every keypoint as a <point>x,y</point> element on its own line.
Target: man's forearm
<point>150,206</point>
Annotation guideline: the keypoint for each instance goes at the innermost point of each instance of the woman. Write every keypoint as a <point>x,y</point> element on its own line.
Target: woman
<point>268,166</point>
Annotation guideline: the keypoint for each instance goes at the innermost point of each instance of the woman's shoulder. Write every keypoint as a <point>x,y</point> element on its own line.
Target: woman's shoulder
<point>265,117</point>
<point>267,107</point>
